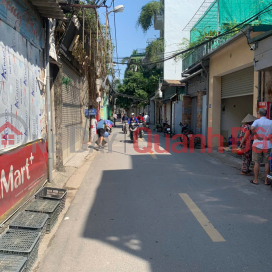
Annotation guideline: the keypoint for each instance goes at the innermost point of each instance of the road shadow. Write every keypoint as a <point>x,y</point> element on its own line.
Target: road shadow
<point>120,210</point>
<point>139,211</point>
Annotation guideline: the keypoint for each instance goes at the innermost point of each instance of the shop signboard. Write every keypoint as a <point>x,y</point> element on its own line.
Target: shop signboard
<point>22,171</point>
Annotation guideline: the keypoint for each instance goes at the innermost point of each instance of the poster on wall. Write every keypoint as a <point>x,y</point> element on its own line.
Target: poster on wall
<point>14,96</point>
<point>17,15</point>
<point>34,71</point>
<point>20,97</point>
<point>23,163</point>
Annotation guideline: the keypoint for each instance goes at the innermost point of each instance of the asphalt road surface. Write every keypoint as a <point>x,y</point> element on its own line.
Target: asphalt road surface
<point>163,212</point>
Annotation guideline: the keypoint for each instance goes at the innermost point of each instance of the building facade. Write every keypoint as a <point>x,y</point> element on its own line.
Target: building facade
<point>23,100</point>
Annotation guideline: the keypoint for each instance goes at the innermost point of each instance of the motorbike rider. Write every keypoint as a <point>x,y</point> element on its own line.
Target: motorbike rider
<point>131,127</point>
<point>132,119</point>
<point>140,117</point>
<point>124,120</point>
<point>147,119</point>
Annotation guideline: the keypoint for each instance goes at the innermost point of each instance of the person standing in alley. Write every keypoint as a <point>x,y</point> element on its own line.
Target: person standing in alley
<point>246,143</point>
<point>101,131</point>
<point>262,129</point>
<point>114,118</point>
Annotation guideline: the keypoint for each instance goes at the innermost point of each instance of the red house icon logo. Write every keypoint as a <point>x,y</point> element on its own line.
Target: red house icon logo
<point>8,139</point>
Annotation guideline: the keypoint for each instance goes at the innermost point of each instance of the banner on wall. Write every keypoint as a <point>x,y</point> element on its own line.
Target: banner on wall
<point>22,172</point>
<point>21,102</point>
<point>18,16</point>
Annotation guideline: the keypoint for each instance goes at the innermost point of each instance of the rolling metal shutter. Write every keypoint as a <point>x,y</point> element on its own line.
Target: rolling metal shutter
<point>71,111</point>
<point>85,102</point>
<point>238,84</point>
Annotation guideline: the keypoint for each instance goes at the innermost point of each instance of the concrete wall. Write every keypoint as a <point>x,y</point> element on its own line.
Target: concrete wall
<point>263,54</point>
<point>176,16</point>
<point>266,85</point>
<point>234,110</point>
<point>232,58</point>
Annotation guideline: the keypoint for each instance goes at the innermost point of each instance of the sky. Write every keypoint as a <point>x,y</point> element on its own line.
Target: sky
<point>129,36</point>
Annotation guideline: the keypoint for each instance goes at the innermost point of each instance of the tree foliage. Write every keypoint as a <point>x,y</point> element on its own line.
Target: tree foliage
<point>148,11</point>
<point>140,83</point>
<point>155,50</point>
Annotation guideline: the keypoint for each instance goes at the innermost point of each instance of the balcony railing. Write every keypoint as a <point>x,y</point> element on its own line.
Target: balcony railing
<point>194,57</point>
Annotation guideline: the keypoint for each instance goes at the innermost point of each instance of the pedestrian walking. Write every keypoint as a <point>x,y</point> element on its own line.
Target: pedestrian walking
<point>246,143</point>
<point>101,125</point>
<point>261,128</point>
<point>114,118</point>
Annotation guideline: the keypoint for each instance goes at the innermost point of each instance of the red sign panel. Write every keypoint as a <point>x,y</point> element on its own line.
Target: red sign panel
<point>267,106</point>
<point>22,172</point>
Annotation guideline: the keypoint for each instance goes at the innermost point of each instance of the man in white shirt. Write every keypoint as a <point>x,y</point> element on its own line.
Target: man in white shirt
<point>261,148</point>
<point>147,119</point>
<point>114,118</point>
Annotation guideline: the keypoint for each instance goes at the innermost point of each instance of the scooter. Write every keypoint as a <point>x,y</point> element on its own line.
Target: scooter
<point>167,129</point>
<point>146,125</point>
<point>132,129</point>
<point>141,133</point>
<point>109,130</point>
<point>185,130</point>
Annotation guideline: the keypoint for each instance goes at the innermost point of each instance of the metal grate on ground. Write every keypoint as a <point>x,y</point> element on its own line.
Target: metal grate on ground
<point>22,243</point>
<point>50,207</point>
<point>53,194</point>
<point>12,263</point>
<point>33,221</point>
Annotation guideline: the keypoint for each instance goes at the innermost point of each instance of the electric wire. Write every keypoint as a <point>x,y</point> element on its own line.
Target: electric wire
<point>234,29</point>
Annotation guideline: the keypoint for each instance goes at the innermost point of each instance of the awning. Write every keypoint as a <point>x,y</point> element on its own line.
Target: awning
<point>49,8</point>
<point>169,99</point>
<point>171,83</point>
<point>191,76</point>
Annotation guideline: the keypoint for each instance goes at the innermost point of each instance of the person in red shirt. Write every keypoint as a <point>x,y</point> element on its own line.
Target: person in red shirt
<point>140,117</point>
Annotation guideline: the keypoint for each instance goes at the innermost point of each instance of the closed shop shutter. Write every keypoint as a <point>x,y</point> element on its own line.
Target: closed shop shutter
<point>178,116</point>
<point>85,102</point>
<point>238,84</point>
<point>71,111</point>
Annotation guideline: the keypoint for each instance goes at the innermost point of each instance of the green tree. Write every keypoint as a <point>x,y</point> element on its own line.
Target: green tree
<point>155,50</point>
<point>148,11</point>
<point>140,83</point>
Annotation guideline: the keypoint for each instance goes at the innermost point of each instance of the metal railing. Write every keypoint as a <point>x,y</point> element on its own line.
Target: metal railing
<point>196,55</point>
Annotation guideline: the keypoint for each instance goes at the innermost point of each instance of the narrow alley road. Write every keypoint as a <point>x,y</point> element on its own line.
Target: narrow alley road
<point>163,212</point>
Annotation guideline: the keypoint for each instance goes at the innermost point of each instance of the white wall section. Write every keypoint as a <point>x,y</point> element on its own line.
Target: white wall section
<point>177,14</point>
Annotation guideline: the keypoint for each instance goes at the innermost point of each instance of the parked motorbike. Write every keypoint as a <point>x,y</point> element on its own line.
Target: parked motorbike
<point>141,133</point>
<point>109,130</point>
<point>185,130</point>
<point>167,129</point>
<point>132,129</point>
